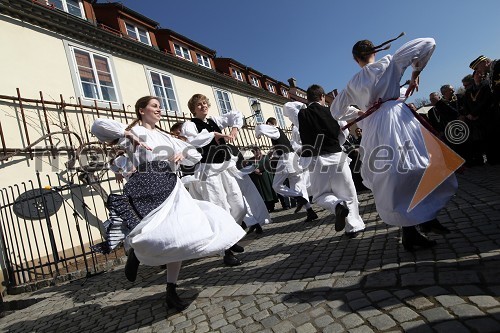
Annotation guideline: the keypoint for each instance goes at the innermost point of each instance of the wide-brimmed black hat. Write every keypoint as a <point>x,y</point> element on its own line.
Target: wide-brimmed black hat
<point>477,61</point>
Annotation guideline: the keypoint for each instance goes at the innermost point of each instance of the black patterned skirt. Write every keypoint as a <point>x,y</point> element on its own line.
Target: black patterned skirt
<point>145,190</point>
<point>149,186</point>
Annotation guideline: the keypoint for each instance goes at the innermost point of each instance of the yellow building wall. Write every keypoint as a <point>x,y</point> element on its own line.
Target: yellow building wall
<point>185,88</point>
<point>32,60</point>
<point>132,81</point>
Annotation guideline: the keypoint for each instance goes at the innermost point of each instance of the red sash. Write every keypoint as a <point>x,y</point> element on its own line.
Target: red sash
<point>368,112</point>
<point>377,106</point>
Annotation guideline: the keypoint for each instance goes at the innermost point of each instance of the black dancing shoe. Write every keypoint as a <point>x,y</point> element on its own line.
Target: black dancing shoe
<point>353,234</point>
<point>311,215</point>
<point>412,238</point>
<point>251,229</point>
<point>434,226</point>
<point>300,203</point>
<point>341,212</point>
<point>243,225</point>
<point>131,266</point>
<point>237,248</point>
<point>230,259</point>
<point>257,228</point>
<point>173,300</point>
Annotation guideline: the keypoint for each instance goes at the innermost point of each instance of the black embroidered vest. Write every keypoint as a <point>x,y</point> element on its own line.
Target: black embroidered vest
<point>282,144</point>
<point>213,152</point>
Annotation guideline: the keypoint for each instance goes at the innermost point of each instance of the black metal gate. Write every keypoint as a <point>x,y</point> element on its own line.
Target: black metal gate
<point>47,228</point>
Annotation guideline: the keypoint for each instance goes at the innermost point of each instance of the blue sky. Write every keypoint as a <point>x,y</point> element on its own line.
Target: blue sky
<point>312,40</point>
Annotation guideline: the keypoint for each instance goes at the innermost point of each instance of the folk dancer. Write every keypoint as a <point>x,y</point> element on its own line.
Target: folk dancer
<point>394,128</point>
<point>332,185</point>
<point>216,184</point>
<point>168,225</point>
<point>287,167</point>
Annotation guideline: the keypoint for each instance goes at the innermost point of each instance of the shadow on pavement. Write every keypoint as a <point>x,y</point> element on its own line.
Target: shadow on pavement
<point>133,313</point>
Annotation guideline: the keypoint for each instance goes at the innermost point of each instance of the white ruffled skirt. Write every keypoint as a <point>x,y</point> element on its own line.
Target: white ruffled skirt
<point>183,228</point>
<point>394,177</point>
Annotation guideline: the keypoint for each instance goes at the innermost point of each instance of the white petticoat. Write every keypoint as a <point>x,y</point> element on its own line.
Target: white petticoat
<point>183,228</point>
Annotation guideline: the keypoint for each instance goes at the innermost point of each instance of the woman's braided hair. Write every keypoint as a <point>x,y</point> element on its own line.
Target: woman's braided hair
<point>364,48</point>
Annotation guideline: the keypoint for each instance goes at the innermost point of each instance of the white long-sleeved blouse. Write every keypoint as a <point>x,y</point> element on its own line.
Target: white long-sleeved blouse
<point>163,145</point>
<point>203,138</point>
<point>380,80</point>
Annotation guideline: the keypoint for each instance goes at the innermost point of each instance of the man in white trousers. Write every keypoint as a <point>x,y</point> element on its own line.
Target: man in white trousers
<point>287,167</point>
<point>332,186</point>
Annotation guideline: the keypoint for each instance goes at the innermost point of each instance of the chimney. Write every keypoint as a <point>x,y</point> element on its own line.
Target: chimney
<point>292,82</point>
<point>333,93</point>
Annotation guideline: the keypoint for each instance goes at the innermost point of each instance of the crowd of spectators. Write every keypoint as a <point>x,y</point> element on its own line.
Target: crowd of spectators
<point>467,121</point>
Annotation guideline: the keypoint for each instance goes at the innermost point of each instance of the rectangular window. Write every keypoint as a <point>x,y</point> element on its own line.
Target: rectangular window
<point>74,7</point>
<point>237,74</point>
<point>163,88</point>
<point>284,92</point>
<point>95,77</point>
<point>254,81</point>
<point>137,33</point>
<point>223,101</point>
<point>131,30</point>
<point>203,60</point>
<point>271,88</point>
<point>143,35</point>
<point>182,52</point>
<point>279,116</point>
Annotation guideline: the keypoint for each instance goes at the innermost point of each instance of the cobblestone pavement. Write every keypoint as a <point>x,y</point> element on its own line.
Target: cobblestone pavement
<point>305,277</point>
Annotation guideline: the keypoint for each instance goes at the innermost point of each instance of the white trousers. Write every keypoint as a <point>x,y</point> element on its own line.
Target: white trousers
<point>332,184</point>
<point>288,167</point>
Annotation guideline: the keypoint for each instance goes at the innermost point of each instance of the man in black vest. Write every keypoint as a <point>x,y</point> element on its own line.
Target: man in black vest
<point>332,186</point>
<point>287,167</point>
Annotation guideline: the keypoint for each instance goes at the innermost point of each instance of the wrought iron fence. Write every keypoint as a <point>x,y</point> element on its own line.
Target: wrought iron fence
<point>47,228</point>
<point>41,117</point>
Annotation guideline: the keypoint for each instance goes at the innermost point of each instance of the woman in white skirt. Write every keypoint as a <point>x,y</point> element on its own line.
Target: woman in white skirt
<point>172,225</point>
<point>391,128</point>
